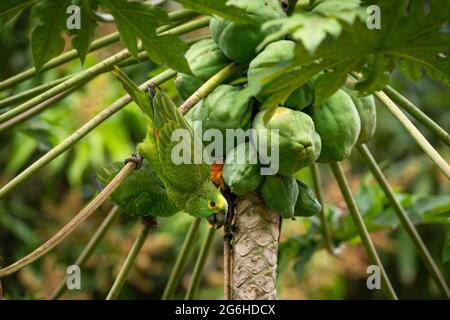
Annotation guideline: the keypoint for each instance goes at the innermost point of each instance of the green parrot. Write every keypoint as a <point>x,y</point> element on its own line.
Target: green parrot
<point>188,186</point>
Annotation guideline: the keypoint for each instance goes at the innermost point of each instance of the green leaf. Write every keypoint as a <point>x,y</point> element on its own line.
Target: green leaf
<point>414,37</point>
<point>222,8</point>
<point>376,74</point>
<point>139,21</point>
<point>84,36</point>
<point>46,39</point>
<point>10,9</point>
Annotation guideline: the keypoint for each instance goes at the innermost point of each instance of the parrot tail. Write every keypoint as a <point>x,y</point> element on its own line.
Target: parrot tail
<point>139,96</point>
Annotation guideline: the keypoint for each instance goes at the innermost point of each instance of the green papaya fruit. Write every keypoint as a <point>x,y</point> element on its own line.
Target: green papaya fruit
<point>338,124</point>
<point>205,59</point>
<point>307,205</point>
<point>186,85</point>
<point>280,194</point>
<point>298,143</point>
<point>224,108</point>
<point>241,171</point>
<point>265,64</point>
<point>367,115</point>
<point>238,42</point>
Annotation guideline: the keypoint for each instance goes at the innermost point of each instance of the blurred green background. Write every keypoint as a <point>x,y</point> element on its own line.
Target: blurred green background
<point>39,207</point>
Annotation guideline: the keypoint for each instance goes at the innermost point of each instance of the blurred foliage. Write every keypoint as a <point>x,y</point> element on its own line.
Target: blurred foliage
<point>39,207</point>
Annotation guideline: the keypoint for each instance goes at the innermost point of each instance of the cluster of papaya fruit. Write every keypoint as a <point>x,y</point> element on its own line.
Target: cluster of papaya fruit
<point>306,133</point>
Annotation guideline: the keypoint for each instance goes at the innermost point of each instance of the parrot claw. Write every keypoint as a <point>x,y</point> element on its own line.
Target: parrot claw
<point>151,89</point>
<point>136,158</point>
<point>150,221</point>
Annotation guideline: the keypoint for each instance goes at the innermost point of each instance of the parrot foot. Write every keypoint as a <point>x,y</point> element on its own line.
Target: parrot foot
<point>152,90</point>
<point>150,222</point>
<point>136,158</point>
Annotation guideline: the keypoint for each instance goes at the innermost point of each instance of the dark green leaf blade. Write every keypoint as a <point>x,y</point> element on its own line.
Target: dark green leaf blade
<point>222,8</point>
<point>139,21</point>
<point>84,36</point>
<point>9,9</point>
<point>46,39</point>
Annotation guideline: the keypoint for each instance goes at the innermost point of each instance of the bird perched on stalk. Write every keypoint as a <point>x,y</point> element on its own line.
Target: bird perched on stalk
<point>186,187</point>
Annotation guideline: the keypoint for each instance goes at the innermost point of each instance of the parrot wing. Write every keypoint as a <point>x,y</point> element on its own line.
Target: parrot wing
<point>141,194</point>
<point>147,148</point>
<point>184,177</point>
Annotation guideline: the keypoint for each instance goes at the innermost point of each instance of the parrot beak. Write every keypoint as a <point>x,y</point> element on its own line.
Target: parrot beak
<point>217,220</point>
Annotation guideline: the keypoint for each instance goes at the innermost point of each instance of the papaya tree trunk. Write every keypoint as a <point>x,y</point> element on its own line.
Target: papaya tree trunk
<point>254,250</point>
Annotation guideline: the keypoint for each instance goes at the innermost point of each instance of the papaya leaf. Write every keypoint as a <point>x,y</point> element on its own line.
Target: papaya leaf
<point>299,249</point>
<point>10,9</point>
<point>410,70</point>
<point>222,8</point>
<point>379,215</point>
<point>446,250</point>
<point>84,36</point>
<point>139,21</point>
<point>46,39</point>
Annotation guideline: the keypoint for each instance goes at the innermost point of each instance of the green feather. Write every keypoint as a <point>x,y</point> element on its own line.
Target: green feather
<point>141,194</point>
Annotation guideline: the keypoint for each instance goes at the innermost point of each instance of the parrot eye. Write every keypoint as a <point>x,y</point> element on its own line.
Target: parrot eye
<point>212,204</point>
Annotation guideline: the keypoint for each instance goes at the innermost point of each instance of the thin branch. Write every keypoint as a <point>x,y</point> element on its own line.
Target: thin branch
<point>414,111</point>
<point>96,69</point>
<point>11,100</point>
<point>72,225</point>
<point>89,249</point>
<point>404,219</point>
<point>416,135</point>
<point>208,86</point>
<point>362,230</point>
<point>73,54</point>
<point>129,262</point>
<point>55,62</point>
<point>182,257</point>
<point>199,265</point>
<point>326,232</point>
<point>67,143</point>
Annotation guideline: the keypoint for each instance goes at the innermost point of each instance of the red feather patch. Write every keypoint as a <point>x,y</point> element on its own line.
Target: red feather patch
<point>216,174</point>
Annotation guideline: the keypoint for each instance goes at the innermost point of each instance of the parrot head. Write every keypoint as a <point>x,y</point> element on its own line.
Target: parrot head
<point>211,204</point>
